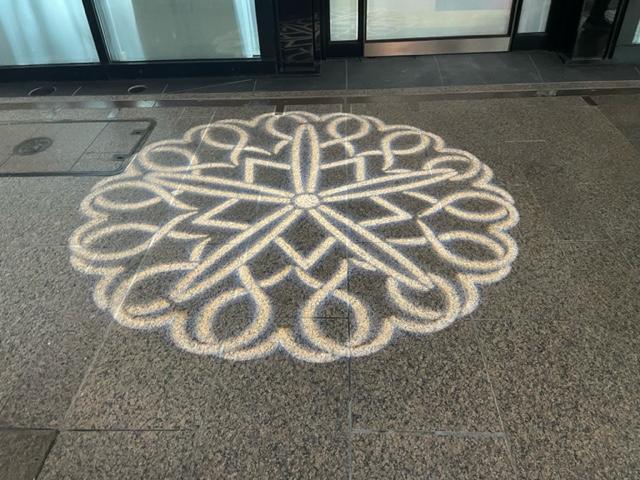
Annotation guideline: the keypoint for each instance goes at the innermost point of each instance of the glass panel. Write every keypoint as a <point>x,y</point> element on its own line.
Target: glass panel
<point>534,16</point>
<point>40,32</point>
<point>137,30</point>
<point>403,19</point>
<point>344,20</point>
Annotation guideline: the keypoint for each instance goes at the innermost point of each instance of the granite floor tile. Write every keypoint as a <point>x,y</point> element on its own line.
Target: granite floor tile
<point>200,85</point>
<point>51,330</point>
<point>561,408</point>
<point>22,452</point>
<point>142,381</point>
<point>407,456</point>
<point>315,109</point>
<point>536,287</point>
<point>270,453</point>
<point>553,70</point>
<point>393,72</point>
<point>571,209</point>
<point>332,76</point>
<point>565,381</point>
<point>41,215</point>
<point>487,68</point>
<point>424,384</point>
<point>626,117</point>
<point>241,113</point>
<point>108,455</point>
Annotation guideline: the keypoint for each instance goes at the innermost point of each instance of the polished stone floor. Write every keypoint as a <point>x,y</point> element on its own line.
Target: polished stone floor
<point>534,377</point>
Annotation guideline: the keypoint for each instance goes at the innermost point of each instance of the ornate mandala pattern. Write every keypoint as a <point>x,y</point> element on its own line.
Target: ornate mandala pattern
<point>249,237</point>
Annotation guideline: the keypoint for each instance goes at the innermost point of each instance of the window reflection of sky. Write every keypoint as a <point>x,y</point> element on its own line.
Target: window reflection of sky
<point>36,32</point>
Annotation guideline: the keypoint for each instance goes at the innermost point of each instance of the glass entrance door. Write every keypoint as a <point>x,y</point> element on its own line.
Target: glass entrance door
<point>410,27</point>
<point>628,44</point>
<point>415,27</point>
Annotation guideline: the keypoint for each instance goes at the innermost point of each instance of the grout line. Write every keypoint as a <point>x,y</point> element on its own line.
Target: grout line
<point>105,336</point>
<point>349,386</point>
<point>346,74</point>
<point>90,366</point>
<point>435,57</point>
<point>46,455</point>
<point>433,433</point>
<point>495,399</point>
<point>535,65</point>
<point>88,147</point>
<point>109,430</point>
<point>193,90</point>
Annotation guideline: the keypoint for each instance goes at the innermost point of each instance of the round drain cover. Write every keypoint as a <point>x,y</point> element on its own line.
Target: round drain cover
<point>137,89</point>
<point>42,91</point>
<point>33,146</point>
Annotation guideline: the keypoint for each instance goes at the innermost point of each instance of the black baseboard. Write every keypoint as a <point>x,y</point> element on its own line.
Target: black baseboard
<point>136,70</point>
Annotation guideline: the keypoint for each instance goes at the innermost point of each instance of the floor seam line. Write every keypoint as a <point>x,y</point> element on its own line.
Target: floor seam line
<point>46,455</point>
<point>535,65</point>
<point>485,364</point>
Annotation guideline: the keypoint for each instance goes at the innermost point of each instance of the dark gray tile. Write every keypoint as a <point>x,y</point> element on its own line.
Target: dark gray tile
<point>424,384</point>
<point>270,453</point>
<point>107,455</point>
<point>406,456</point>
<point>562,410</point>
<point>38,89</point>
<point>142,381</point>
<point>539,264</point>
<point>332,76</point>
<point>569,208</point>
<point>396,72</point>
<point>121,87</point>
<point>625,116</point>
<point>22,452</point>
<point>51,330</point>
<point>553,70</point>
<point>231,84</point>
<point>487,68</point>
<point>565,379</point>
<point>45,210</point>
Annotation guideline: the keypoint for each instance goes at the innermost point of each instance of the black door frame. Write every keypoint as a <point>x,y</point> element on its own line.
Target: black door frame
<point>107,69</point>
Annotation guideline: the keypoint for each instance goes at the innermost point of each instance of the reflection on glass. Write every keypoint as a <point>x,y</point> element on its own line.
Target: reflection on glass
<point>396,19</point>
<point>636,38</point>
<point>596,28</point>
<point>137,30</point>
<point>534,16</point>
<point>344,20</point>
<point>39,32</point>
